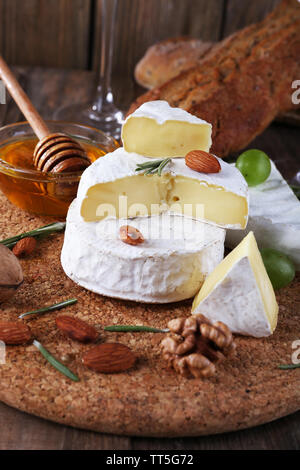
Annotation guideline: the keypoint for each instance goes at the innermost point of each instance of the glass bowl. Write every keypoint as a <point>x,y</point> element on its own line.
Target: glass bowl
<point>46,194</point>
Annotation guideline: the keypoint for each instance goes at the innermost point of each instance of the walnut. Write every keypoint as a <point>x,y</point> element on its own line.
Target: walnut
<point>195,344</point>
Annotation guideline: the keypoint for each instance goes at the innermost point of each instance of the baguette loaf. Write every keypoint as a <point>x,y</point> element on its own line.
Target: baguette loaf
<point>243,82</point>
<point>168,58</point>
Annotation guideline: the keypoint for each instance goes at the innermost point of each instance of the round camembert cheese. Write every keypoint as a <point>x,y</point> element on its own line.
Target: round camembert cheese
<point>112,186</point>
<point>171,265</point>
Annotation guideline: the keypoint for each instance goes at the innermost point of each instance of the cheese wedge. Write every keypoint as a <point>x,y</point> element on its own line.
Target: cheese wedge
<point>112,187</point>
<point>157,129</point>
<point>171,265</point>
<point>274,217</point>
<point>239,293</point>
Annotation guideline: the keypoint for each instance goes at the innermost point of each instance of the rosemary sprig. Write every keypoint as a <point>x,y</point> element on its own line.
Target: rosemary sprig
<point>43,310</point>
<point>288,366</point>
<point>38,232</point>
<point>162,165</point>
<point>156,166</point>
<point>135,328</point>
<point>55,363</point>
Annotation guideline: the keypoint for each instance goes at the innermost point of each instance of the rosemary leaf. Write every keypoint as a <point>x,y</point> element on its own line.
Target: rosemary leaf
<point>55,363</point>
<point>151,171</point>
<point>135,328</point>
<point>38,232</point>
<point>153,163</point>
<point>155,166</point>
<point>43,310</point>
<point>288,366</point>
<point>162,165</point>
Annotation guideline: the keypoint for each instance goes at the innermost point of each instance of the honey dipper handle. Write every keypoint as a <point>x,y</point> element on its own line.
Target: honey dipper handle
<point>33,117</point>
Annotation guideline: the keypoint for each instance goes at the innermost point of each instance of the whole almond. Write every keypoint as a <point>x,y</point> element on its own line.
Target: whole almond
<point>109,358</point>
<point>77,329</point>
<point>131,235</point>
<point>24,247</point>
<point>203,162</point>
<point>14,332</point>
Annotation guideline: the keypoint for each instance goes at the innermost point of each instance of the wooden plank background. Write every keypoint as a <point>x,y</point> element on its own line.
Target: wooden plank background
<point>66,33</point>
<point>45,32</point>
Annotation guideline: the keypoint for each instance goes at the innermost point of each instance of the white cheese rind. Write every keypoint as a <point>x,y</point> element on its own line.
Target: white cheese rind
<point>274,217</point>
<point>157,271</point>
<point>161,112</point>
<point>121,164</point>
<point>237,302</point>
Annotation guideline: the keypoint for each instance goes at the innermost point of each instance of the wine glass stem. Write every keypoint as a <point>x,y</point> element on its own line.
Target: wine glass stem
<point>104,96</point>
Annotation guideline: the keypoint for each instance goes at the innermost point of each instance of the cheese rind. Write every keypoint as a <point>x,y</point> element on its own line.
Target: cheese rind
<point>239,293</point>
<point>157,129</point>
<point>171,264</point>
<point>274,217</point>
<point>220,198</point>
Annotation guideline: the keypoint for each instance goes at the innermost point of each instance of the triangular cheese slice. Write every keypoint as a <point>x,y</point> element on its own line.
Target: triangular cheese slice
<point>239,292</point>
<point>157,129</point>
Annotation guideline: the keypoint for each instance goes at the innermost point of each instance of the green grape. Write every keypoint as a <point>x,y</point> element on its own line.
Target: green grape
<point>255,166</point>
<point>280,268</point>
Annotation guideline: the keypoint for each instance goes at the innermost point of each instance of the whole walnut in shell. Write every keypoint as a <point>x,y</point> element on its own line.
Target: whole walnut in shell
<point>11,275</point>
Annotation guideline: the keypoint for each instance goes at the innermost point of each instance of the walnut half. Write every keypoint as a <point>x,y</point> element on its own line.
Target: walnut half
<point>194,345</point>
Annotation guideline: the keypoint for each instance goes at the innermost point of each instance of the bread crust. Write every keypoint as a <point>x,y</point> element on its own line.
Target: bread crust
<point>168,58</point>
<point>243,82</point>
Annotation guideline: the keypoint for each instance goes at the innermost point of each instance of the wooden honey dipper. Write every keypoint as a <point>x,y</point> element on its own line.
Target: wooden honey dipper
<point>55,152</point>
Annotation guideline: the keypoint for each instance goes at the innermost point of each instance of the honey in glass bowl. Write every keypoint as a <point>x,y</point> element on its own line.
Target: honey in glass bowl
<point>46,194</point>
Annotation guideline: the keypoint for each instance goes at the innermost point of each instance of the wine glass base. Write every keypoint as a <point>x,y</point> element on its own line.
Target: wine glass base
<point>296,179</point>
<point>109,120</point>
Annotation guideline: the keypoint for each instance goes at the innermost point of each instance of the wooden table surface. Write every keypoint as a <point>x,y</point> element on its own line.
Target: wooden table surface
<point>52,88</point>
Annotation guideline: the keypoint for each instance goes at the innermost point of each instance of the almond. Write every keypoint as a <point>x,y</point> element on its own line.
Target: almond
<point>131,235</point>
<point>203,162</point>
<point>14,332</point>
<point>77,329</point>
<point>109,358</point>
<point>25,247</point>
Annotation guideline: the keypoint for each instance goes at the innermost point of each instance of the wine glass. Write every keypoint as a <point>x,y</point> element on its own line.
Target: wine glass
<point>101,112</point>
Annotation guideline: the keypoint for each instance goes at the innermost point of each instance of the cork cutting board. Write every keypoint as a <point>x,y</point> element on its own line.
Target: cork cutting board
<point>149,400</point>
